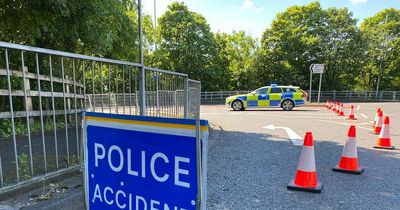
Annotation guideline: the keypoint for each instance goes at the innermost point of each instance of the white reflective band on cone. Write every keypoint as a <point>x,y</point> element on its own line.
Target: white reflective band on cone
<point>378,122</point>
<point>350,149</point>
<point>307,160</point>
<point>385,132</point>
<point>351,111</point>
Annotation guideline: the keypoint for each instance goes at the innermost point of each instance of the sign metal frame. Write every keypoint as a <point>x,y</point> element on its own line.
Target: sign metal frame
<point>201,137</point>
<point>316,69</point>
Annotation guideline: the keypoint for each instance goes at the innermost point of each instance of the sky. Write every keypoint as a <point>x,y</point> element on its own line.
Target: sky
<point>254,16</point>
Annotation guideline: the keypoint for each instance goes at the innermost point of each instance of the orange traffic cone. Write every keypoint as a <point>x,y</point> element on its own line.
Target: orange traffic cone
<point>341,113</point>
<point>378,124</point>
<point>384,141</point>
<point>306,174</point>
<point>349,161</point>
<point>327,104</point>
<point>376,116</point>
<point>351,114</point>
<point>336,108</point>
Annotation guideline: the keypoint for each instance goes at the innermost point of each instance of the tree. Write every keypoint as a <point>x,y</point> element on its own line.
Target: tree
<point>303,35</point>
<point>382,33</point>
<point>185,44</point>
<point>101,28</point>
<point>234,60</point>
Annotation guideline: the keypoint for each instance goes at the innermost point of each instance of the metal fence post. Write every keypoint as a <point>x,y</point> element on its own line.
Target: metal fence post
<point>334,95</point>
<point>142,89</point>
<point>198,108</point>
<point>350,95</point>
<point>186,98</point>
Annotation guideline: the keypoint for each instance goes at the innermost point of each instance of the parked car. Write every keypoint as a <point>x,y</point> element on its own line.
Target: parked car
<point>286,97</point>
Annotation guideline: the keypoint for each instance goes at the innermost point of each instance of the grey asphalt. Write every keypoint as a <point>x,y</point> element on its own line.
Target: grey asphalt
<point>249,166</point>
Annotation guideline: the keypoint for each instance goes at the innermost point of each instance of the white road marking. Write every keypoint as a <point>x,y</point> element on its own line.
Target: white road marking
<point>363,123</point>
<point>345,124</point>
<point>358,107</point>
<point>296,139</point>
<point>363,115</point>
<point>329,116</point>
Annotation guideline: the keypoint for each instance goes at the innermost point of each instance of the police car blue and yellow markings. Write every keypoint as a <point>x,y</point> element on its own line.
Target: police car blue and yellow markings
<point>268,99</point>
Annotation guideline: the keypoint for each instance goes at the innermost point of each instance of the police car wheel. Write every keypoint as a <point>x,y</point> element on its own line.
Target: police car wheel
<point>237,105</point>
<point>287,105</point>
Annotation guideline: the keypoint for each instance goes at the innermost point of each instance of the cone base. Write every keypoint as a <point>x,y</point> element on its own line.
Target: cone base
<point>358,172</point>
<point>351,118</point>
<point>293,186</point>
<point>382,147</point>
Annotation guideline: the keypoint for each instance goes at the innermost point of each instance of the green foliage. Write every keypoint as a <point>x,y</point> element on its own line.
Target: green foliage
<point>382,33</point>
<point>23,166</point>
<point>299,36</point>
<point>303,35</point>
<point>6,129</point>
<point>234,60</point>
<point>185,44</point>
<point>102,28</point>
<point>22,129</point>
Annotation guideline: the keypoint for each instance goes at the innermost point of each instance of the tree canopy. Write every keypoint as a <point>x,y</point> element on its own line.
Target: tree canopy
<point>303,35</point>
<point>355,55</point>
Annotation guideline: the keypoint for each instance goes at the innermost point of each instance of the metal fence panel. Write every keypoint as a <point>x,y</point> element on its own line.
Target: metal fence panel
<point>218,97</point>
<point>43,93</point>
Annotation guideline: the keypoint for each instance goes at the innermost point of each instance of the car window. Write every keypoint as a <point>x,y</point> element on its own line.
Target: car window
<point>290,90</point>
<point>263,91</point>
<point>276,90</point>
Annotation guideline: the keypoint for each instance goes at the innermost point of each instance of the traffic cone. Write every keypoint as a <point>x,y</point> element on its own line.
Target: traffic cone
<point>378,124</point>
<point>306,174</point>
<point>351,114</point>
<point>341,113</point>
<point>336,108</point>
<point>384,141</point>
<point>376,116</point>
<point>327,104</point>
<point>349,161</point>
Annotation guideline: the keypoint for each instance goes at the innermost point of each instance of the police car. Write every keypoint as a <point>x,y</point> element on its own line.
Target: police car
<point>285,97</point>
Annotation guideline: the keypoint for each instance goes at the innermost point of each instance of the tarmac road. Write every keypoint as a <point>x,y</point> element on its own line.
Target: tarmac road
<point>249,166</point>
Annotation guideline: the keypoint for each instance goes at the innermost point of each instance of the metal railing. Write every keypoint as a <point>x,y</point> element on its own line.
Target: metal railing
<point>218,97</point>
<point>357,96</point>
<point>42,95</point>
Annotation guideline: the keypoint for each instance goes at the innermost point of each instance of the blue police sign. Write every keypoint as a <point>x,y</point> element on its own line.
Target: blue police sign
<point>137,162</point>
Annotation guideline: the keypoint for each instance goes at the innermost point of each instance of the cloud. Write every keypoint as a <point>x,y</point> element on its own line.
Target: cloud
<point>358,1</point>
<point>249,4</point>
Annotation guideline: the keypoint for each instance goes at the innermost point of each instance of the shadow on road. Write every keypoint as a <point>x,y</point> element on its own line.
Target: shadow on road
<point>252,170</point>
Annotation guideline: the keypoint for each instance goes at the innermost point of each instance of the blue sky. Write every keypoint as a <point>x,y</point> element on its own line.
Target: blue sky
<point>254,16</point>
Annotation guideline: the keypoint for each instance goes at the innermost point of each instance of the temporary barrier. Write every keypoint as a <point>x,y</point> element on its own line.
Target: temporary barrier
<point>306,175</point>
<point>43,93</point>
<point>378,123</point>
<point>384,140</point>
<point>138,162</point>
<point>351,113</point>
<point>349,159</point>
